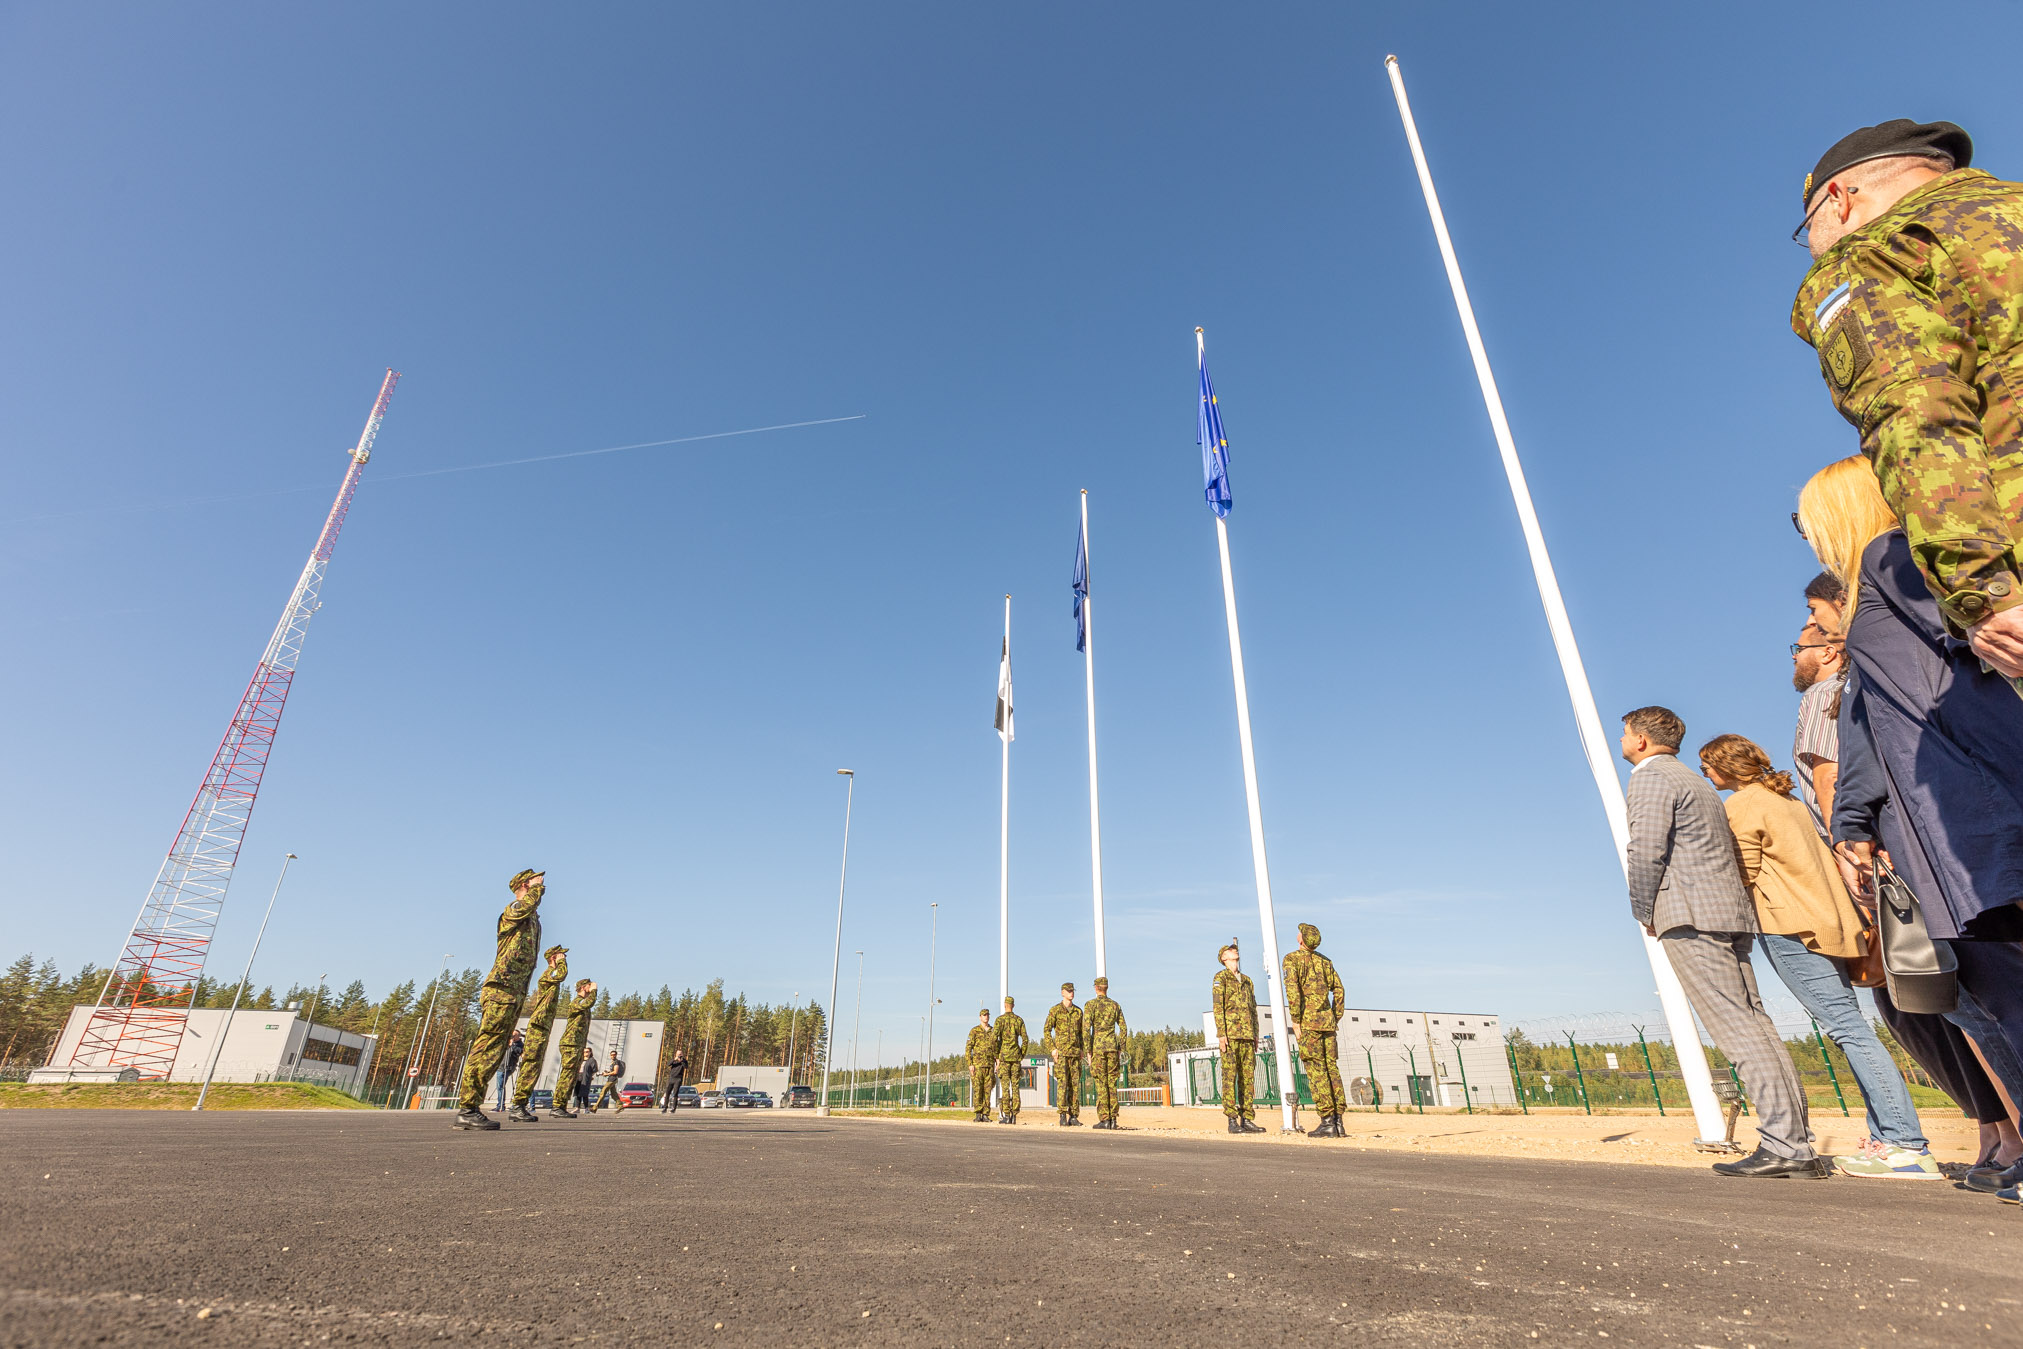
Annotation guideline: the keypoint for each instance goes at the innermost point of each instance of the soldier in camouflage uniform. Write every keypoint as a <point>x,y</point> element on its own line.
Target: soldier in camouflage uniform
<point>981,1054</point>
<point>1012,1043</point>
<point>499,1001</point>
<point>540,1021</point>
<point>1234,998</point>
<point>1314,1002</point>
<point>1062,1036</point>
<point>1915,306</point>
<point>1107,1034</point>
<point>575,1037</point>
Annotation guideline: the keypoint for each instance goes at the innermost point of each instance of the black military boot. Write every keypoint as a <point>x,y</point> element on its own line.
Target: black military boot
<point>1235,1124</point>
<point>1074,1121</point>
<point>561,1112</point>
<point>1063,1120</point>
<point>474,1119</point>
<point>519,1114</point>
<point>1251,1126</point>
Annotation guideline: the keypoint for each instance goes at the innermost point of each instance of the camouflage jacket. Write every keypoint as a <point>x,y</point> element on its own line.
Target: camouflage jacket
<point>1313,991</point>
<point>1012,1041</point>
<point>541,1011</point>
<point>1105,1020</point>
<point>1065,1030</point>
<point>1235,1003</point>
<point>982,1047</point>
<point>576,1031</point>
<point>519,949</point>
<point>1918,321</point>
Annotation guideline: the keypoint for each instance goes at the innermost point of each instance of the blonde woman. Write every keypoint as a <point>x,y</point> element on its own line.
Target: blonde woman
<point>1810,926</point>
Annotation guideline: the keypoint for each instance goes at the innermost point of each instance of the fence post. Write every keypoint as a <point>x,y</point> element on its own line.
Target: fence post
<point>1462,1060</point>
<point>1376,1088</point>
<point>1418,1092</point>
<point>1516,1076</point>
<point>1827,1058</point>
<point>1737,1080</point>
<point>1653,1072</point>
<point>1579,1076</point>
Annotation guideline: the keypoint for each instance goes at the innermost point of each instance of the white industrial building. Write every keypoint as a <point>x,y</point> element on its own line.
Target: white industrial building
<point>638,1043</point>
<point>261,1046</point>
<point>1412,1058</point>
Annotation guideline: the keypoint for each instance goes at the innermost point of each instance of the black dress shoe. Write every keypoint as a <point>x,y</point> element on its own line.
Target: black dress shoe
<point>474,1119</point>
<point>1993,1179</point>
<point>1769,1164</point>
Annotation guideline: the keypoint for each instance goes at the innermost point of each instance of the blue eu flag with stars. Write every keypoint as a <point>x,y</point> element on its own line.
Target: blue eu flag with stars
<point>1214,448</point>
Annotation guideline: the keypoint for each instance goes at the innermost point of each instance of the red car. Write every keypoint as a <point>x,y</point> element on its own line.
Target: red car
<point>636,1094</point>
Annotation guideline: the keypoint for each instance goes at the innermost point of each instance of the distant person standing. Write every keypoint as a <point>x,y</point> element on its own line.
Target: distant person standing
<point>1314,1002</point>
<point>1012,1043</point>
<point>1686,890</point>
<point>540,1021</point>
<point>499,1001</point>
<point>1063,1033</point>
<point>586,1079</point>
<point>1819,672</point>
<point>1234,998</point>
<point>677,1068</point>
<point>575,1036</point>
<point>509,1065</point>
<point>1107,1037</point>
<point>980,1052</point>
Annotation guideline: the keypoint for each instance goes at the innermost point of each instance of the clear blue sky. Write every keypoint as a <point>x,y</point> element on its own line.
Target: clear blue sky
<point>992,234</point>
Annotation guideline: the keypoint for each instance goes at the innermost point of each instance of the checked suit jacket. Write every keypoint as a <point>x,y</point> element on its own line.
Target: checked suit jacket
<point>1683,870</point>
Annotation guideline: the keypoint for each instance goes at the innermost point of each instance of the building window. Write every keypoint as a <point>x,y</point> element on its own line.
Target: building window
<point>1464,1035</point>
<point>1384,1034</point>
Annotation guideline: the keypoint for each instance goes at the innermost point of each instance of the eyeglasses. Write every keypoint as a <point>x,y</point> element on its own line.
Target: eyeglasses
<point>1799,527</point>
<point>1797,647</point>
<point>1799,235</point>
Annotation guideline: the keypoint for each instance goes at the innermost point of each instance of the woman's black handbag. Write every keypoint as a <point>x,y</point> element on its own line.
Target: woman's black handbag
<point>1924,975</point>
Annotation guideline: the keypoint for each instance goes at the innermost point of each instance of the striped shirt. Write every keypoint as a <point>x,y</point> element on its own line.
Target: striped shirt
<point>1817,740</point>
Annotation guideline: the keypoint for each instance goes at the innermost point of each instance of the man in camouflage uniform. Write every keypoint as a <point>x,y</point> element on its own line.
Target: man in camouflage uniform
<point>1062,1035</point>
<point>575,1037</point>
<point>1012,1043</point>
<point>540,1021</point>
<point>499,1001</point>
<point>1314,1002</point>
<point>981,1054</point>
<point>1234,999</point>
<point>1106,1037</point>
<point>1915,306</point>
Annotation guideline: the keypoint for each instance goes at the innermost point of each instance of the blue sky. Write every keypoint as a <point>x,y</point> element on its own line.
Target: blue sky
<point>991,234</point>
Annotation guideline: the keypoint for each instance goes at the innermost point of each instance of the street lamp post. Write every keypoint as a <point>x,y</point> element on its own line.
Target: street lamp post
<point>933,930</point>
<point>421,1040</point>
<point>314,999</point>
<point>793,1030</point>
<point>856,1028</point>
<point>219,1047</point>
<point>836,960</point>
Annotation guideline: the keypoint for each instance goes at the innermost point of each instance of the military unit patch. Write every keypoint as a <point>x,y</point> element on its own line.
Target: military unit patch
<point>1844,354</point>
<point>1829,309</point>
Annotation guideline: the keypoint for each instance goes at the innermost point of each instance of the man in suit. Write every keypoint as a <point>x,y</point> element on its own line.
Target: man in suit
<point>1686,889</point>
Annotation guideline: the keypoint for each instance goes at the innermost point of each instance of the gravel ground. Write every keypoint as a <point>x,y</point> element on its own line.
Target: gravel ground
<point>306,1228</point>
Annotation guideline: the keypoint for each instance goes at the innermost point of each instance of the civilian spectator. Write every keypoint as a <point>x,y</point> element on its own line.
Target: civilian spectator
<point>1819,671</point>
<point>586,1075</point>
<point>677,1068</point>
<point>614,1072</point>
<point>1808,927</point>
<point>1686,889</point>
<point>511,1063</point>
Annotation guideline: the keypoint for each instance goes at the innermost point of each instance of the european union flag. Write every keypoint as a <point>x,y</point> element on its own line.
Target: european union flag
<point>1081,585</point>
<point>1214,449</point>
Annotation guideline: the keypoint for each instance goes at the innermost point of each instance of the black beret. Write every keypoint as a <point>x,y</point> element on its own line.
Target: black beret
<point>1886,141</point>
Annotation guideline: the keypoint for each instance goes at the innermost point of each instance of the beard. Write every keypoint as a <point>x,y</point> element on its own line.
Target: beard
<point>1803,679</point>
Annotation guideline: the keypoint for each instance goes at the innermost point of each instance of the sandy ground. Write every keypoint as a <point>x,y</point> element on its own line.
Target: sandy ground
<point>1622,1136</point>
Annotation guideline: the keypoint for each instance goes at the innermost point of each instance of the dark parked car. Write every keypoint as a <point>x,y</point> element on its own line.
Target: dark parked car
<point>688,1099</point>
<point>760,1100</point>
<point>799,1097</point>
<point>737,1096</point>
<point>636,1094</point>
<point>541,1100</point>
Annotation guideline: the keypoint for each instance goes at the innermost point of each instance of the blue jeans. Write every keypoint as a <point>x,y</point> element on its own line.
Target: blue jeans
<point>1821,987</point>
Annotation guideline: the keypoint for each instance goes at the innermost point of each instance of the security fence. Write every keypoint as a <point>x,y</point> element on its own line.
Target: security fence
<point>1038,1088</point>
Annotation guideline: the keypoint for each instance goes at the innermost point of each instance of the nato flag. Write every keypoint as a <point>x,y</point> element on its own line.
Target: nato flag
<point>1081,585</point>
<point>1214,449</point>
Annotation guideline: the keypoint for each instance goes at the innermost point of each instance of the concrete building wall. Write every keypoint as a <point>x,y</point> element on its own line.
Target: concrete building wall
<point>261,1046</point>
<point>637,1042</point>
<point>1438,1058</point>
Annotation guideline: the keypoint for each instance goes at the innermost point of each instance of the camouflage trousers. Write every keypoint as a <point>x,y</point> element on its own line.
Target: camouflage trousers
<point>572,1063</point>
<point>531,1058</point>
<point>1008,1087</point>
<point>1068,1076</point>
<point>1108,1064</point>
<point>982,1077</point>
<point>1239,1079</point>
<point>497,1017</point>
<point>1324,1074</point>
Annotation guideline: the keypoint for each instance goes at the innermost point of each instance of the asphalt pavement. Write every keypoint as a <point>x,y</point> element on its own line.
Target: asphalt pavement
<point>311,1228</point>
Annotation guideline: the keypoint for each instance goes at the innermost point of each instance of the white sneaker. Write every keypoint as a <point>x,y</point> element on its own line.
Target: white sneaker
<point>1887,1163</point>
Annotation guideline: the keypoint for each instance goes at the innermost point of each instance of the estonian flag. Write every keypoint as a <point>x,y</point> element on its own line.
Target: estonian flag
<point>1004,696</point>
<point>1081,585</point>
<point>1214,448</point>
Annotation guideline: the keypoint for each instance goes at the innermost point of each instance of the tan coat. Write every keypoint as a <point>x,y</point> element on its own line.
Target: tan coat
<point>1790,873</point>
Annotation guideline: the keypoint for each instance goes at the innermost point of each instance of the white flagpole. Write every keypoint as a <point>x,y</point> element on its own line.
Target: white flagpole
<point>1678,1012</point>
<point>1274,983</point>
<point>1004,841</point>
<point>1089,669</point>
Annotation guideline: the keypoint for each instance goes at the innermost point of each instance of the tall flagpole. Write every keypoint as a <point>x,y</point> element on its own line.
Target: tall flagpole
<point>1089,670</point>
<point>1274,982</point>
<point>1004,838</point>
<point>1678,1012</point>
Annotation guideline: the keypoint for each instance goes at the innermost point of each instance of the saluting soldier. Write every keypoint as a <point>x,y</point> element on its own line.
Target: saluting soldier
<point>575,1038</point>
<point>981,1053</point>
<point>1234,998</point>
<point>1314,1002</point>
<point>540,1023</point>
<point>1915,306</point>
<point>499,1001</point>
<point>1062,1035</point>
<point>1107,1036</point>
<point>1012,1043</point>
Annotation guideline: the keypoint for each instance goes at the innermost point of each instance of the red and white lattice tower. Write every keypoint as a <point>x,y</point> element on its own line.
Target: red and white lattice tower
<point>138,1022</point>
